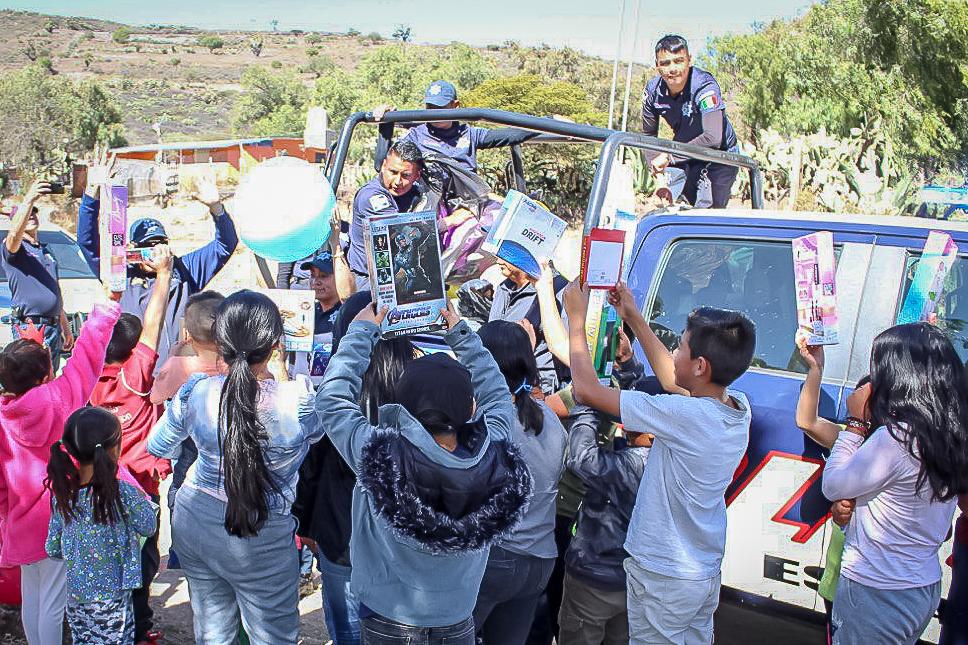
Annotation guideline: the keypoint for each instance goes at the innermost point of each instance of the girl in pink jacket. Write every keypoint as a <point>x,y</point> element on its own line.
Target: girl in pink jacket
<point>33,409</point>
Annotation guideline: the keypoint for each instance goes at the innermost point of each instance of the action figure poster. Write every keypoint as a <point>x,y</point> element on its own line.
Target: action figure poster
<point>403,253</point>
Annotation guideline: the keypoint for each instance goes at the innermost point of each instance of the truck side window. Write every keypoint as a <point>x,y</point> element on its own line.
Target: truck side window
<point>953,309</point>
<point>753,277</point>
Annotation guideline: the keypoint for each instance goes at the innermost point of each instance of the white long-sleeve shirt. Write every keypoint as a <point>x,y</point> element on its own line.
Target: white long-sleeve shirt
<point>894,535</point>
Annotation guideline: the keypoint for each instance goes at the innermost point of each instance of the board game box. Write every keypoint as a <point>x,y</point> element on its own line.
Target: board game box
<point>524,233</point>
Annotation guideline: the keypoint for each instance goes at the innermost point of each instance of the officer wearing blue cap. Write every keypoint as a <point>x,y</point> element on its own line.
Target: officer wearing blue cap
<point>452,139</point>
<point>690,101</point>
<point>191,272</point>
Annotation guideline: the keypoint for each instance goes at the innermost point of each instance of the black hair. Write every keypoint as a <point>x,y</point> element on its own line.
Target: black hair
<point>726,339</point>
<point>387,361</point>
<point>89,434</point>
<point>919,391</point>
<point>124,338</point>
<point>389,357</point>
<point>408,151</point>
<point>24,364</point>
<point>672,43</point>
<point>511,348</point>
<point>248,327</point>
<point>200,315</point>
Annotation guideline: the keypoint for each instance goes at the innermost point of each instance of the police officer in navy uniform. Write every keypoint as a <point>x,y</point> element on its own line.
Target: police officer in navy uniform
<point>690,101</point>
<point>393,190</point>
<point>452,139</point>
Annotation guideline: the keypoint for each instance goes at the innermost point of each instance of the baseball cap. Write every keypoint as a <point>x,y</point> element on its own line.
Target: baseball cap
<point>145,230</point>
<point>323,262</point>
<point>440,93</point>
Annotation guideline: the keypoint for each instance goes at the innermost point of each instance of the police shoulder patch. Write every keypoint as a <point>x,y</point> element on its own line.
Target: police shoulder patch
<point>379,201</point>
<point>708,100</point>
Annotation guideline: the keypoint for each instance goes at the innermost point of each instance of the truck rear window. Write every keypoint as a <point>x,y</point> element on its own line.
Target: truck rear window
<point>753,277</point>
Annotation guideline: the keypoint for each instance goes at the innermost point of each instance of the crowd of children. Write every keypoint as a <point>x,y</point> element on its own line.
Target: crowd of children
<point>430,488</point>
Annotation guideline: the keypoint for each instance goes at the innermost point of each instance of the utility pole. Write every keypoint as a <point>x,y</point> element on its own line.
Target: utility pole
<point>628,72</point>
<point>618,54</point>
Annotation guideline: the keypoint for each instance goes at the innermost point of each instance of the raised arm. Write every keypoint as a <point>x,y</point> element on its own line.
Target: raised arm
<point>555,333</point>
<point>856,467</point>
<point>655,352</point>
<point>503,137</point>
<point>820,430</point>
<point>204,263</point>
<point>338,396</point>
<point>490,389</point>
<point>154,320</point>
<point>345,280</point>
<point>585,458</point>
<point>99,172</point>
<point>74,386</point>
<point>18,226</point>
<point>88,236</point>
<point>585,384</point>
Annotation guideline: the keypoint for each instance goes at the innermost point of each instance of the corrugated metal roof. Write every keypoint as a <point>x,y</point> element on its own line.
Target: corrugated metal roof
<point>194,145</point>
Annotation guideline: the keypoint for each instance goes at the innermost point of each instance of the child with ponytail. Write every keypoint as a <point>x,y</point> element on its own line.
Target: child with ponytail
<point>33,409</point>
<point>95,528</point>
<point>520,564</point>
<point>233,528</point>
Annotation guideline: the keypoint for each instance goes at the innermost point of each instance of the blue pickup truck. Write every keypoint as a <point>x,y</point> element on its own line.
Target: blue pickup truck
<point>742,259</point>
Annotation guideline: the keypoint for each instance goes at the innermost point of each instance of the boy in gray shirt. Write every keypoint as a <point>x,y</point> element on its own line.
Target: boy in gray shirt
<point>677,535</point>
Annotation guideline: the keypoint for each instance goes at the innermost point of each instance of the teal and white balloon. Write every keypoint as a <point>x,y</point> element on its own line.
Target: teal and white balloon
<point>282,209</point>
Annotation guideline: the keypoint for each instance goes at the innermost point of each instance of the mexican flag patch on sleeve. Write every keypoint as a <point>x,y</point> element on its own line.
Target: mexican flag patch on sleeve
<point>708,102</point>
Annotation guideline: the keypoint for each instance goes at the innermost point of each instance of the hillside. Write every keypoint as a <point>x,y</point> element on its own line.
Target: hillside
<point>162,74</point>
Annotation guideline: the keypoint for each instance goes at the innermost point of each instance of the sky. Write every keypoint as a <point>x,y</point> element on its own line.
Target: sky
<point>589,25</point>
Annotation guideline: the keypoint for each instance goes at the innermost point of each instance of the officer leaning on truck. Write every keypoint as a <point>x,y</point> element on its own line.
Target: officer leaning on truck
<point>690,101</point>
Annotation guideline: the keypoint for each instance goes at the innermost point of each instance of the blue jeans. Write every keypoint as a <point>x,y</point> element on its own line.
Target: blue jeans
<point>378,630</point>
<point>340,606</point>
<point>509,593</point>
<point>52,339</point>
<point>864,614</point>
<point>255,578</point>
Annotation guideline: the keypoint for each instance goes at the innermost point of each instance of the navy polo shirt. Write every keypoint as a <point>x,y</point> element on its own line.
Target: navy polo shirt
<point>32,277</point>
<point>459,142</point>
<point>684,111</point>
<point>374,199</point>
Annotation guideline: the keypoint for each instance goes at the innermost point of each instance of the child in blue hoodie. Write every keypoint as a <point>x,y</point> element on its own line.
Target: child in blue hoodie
<point>439,482</point>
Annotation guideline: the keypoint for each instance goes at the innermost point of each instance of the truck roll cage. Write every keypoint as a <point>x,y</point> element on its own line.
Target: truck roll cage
<point>552,131</point>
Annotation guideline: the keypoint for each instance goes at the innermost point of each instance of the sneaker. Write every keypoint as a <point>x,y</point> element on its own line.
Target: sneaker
<point>152,638</point>
<point>307,585</point>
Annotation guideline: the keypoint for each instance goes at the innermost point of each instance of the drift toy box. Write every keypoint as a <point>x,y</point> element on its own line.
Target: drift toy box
<point>524,233</point>
<point>814,270</point>
<point>403,255</point>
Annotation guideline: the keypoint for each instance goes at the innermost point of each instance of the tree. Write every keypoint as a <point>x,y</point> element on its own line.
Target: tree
<point>255,46</point>
<point>275,25</point>
<point>121,35</point>
<point>39,111</point>
<point>563,172</point>
<point>403,33</point>
<point>270,103</point>
<point>210,41</point>
<point>312,39</point>
<point>49,26</point>
<point>319,66</point>
<point>352,32</point>
<point>848,63</point>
